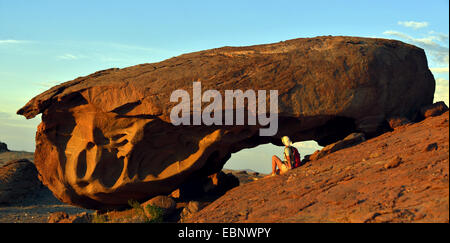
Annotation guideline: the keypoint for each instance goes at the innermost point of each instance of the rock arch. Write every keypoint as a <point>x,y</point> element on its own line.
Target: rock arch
<point>107,137</point>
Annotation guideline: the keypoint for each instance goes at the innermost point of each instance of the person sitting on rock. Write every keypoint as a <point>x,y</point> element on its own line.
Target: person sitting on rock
<point>291,158</point>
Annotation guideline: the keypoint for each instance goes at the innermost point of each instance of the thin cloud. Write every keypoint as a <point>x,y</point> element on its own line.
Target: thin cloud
<point>413,24</point>
<point>439,53</point>
<point>436,46</point>
<point>439,36</point>
<point>130,47</point>
<point>68,56</point>
<point>46,85</point>
<point>4,115</point>
<point>2,42</point>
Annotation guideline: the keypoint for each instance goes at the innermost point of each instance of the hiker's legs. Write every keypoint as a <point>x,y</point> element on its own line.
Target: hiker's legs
<point>276,162</point>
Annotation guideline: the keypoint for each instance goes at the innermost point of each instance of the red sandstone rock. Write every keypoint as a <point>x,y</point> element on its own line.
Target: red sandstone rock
<point>394,162</point>
<point>107,137</point>
<point>435,109</point>
<point>57,217</point>
<point>164,202</point>
<point>398,122</point>
<point>63,217</point>
<point>351,140</point>
<point>18,180</point>
<point>351,186</point>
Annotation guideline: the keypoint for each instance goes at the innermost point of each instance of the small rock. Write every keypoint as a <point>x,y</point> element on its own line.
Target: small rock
<point>164,202</point>
<point>435,109</point>
<point>431,147</point>
<point>396,122</point>
<point>80,218</point>
<point>57,217</point>
<point>241,172</point>
<point>351,140</point>
<point>175,193</point>
<point>254,173</point>
<point>396,161</point>
<point>191,208</point>
<point>419,216</point>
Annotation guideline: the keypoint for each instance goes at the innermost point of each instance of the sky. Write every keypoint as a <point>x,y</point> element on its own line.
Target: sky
<point>43,43</point>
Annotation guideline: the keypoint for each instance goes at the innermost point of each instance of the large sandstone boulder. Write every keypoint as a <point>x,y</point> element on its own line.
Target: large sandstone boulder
<point>107,137</point>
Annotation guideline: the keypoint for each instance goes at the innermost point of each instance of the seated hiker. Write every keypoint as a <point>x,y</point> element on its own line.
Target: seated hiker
<point>291,158</point>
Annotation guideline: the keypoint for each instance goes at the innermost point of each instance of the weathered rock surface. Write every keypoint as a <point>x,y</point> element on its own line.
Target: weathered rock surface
<point>107,137</point>
<point>351,140</point>
<point>63,217</point>
<point>435,109</point>
<point>396,122</point>
<point>400,183</point>
<point>18,179</point>
<point>191,208</point>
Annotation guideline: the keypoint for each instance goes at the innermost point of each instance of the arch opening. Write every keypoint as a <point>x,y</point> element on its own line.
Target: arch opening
<point>259,158</point>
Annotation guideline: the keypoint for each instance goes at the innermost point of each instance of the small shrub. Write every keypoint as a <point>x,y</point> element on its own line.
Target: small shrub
<point>99,218</point>
<point>140,213</point>
<point>156,214</point>
<point>135,204</point>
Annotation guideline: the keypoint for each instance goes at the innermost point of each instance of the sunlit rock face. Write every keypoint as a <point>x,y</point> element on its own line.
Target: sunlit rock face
<point>107,137</point>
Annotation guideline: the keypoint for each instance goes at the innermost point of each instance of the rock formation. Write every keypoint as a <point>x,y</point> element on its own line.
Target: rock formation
<point>18,179</point>
<point>435,109</point>
<point>350,140</point>
<point>3,147</point>
<point>399,176</point>
<point>107,138</point>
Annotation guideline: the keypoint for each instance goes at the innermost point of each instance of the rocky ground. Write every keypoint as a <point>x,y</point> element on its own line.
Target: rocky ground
<point>41,206</point>
<point>23,199</point>
<point>400,176</point>
<point>36,209</point>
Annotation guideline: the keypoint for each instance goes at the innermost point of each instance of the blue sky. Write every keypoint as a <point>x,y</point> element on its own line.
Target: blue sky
<point>43,43</point>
